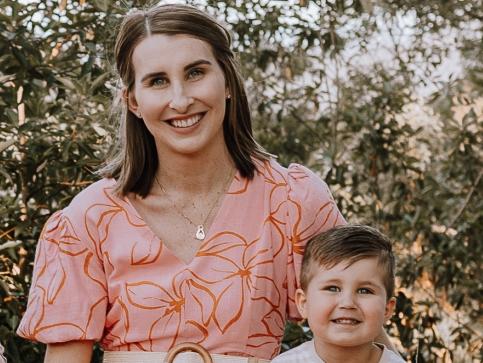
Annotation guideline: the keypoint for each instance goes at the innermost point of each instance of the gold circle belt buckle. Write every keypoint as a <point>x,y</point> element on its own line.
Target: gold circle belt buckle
<point>183,347</point>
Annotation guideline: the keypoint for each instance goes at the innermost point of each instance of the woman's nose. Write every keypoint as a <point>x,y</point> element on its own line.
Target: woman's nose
<point>180,100</point>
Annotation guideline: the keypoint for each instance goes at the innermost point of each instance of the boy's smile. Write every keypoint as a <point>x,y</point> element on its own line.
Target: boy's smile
<point>346,321</point>
<point>346,306</point>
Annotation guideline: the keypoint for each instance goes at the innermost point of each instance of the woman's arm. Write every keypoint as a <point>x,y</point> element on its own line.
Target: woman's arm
<point>72,352</point>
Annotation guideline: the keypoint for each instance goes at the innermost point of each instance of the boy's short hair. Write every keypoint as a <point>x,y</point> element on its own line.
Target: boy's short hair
<point>349,243</point>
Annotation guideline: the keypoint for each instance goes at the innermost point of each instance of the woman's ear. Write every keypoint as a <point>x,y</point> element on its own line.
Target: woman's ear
<point>131,102</point>
<point>300,301</point>
<point>390,305</point>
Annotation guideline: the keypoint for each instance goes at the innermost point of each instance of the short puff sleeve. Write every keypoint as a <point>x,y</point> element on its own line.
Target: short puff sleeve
<point>68,298</point>
<point>310,210</point>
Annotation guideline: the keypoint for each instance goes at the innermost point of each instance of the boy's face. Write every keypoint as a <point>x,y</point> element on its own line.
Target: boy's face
<point>346,306</point>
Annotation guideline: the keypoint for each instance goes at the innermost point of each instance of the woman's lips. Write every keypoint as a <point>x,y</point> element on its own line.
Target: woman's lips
<point>186,122</point>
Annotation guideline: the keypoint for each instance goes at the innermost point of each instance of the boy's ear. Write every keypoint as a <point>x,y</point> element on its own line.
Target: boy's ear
<point>300,301</point>
<point>130,100</point>
<point>390,305</point>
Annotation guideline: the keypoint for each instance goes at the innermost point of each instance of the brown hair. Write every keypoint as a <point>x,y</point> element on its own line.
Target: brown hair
<point>134,162</point>
<point>349,243</point>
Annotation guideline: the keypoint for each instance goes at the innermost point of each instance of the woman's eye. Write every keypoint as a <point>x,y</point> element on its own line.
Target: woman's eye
<point>332,288</point>
<point>158,82</point>
<point>364,290</point>
<point>195,73</point>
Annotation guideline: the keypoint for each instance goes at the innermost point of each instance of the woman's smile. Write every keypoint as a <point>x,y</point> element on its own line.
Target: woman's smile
<point>187,121</point>
<point>187,91</point>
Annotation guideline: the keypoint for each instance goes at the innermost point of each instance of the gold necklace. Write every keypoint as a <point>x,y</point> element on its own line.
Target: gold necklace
<point>200,228</point>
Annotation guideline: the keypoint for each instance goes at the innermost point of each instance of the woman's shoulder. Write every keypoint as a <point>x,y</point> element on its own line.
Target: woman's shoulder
<point>100,192</point>
<point>69,223</point>
<point>293,170</point>
<point>297,177</point>
<point>309,199</point>
<point>95,192</point>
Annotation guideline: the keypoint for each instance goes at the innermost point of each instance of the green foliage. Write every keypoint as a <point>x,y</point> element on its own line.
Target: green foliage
<point>355,91</point>
<point>52,67</point>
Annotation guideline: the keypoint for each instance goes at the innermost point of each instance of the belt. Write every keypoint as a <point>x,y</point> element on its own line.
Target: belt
<point>181,353</point>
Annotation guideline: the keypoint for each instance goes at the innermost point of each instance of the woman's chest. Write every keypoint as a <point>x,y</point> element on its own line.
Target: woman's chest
<point>233,277</point>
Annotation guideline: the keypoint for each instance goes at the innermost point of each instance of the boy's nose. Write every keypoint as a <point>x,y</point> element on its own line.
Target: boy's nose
<point>346,301</point>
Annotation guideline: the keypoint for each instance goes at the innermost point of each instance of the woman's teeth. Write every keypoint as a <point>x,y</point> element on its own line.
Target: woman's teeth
<point>186,122</point>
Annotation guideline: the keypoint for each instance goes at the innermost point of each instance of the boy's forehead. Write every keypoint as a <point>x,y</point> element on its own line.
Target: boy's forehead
<point>367,268</point>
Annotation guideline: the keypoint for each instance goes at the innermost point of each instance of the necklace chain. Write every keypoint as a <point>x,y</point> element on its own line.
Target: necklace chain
<point>200,228</point>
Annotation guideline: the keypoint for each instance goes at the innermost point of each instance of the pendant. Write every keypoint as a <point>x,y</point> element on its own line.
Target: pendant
<point>200,233</point>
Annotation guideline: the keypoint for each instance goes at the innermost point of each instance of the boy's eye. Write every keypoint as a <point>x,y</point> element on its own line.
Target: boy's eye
<point>195,73</point>
<point>364,290</point>
<point>332,288</point>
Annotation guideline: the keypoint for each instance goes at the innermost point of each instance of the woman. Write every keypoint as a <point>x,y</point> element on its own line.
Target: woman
<point>195,232</point>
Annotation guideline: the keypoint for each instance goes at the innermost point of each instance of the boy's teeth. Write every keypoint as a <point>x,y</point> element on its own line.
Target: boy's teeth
<point>186,122</point>
<point>346,321</point>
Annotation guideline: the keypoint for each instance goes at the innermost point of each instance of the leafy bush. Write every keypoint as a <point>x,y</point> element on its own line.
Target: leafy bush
<point>359,93</point>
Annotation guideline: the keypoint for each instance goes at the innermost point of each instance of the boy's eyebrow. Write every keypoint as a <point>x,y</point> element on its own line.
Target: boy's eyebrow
<point>370,283</point>
<point>329,281</point>
<point>198,62</point>
<point>335,280</point>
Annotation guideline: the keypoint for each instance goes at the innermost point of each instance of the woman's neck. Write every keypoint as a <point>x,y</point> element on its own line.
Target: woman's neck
<point>330,353</point>
<point>194,174</point>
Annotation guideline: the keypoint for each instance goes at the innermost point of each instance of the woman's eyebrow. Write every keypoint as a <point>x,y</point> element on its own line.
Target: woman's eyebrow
<point>198,62</point>
<point>152,75</point>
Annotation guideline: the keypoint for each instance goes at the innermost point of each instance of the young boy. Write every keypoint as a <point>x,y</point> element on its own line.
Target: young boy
<point>347,282</point>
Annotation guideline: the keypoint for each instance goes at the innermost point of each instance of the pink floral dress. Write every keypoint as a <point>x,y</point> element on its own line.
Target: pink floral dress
<point>101,274</point>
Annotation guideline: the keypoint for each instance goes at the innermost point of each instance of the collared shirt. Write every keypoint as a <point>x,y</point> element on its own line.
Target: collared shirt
<point>305,353</point>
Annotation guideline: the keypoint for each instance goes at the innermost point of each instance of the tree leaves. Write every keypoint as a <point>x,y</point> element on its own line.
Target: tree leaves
<point>341,86</point>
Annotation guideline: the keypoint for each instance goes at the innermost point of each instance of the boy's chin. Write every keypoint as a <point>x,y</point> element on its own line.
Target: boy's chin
<point>349,343</point>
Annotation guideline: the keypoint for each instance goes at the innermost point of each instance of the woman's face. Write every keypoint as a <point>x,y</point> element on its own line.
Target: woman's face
<point>180,93</point>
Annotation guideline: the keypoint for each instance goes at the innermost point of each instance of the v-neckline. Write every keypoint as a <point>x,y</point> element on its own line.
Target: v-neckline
<point>208,230</point>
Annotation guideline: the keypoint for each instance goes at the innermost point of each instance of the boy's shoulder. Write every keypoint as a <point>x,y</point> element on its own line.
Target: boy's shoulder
<point>304,353</point>
<point>388,356</point>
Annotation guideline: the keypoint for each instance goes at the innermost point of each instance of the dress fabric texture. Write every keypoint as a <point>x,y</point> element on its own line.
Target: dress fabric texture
<point>2,358</point>
<point>101,274</point>
<point>305,353</point>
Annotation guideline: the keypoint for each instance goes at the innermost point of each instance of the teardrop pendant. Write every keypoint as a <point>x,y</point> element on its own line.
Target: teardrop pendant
<point>200,233</point>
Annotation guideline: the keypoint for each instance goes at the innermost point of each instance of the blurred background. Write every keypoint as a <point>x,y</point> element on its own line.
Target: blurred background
<point>383,99</point>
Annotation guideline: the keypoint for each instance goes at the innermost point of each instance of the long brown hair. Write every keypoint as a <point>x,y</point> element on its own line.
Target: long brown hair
<point>134,161</point>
